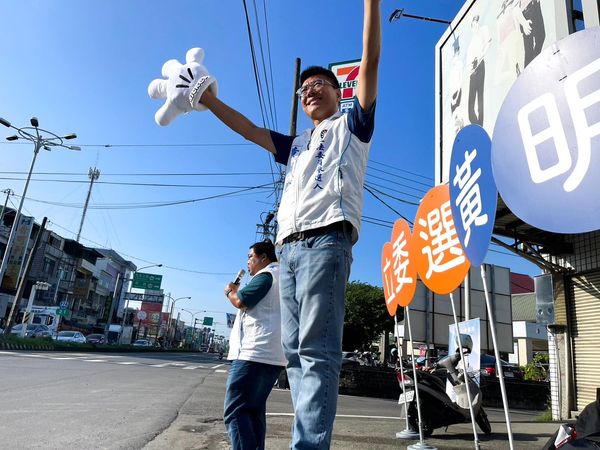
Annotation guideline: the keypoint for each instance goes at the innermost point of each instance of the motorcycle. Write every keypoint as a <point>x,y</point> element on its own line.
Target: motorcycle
<point>437,408</point>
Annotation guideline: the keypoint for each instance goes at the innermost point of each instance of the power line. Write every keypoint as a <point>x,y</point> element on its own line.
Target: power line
<point>427,185</point>
<point>144,174</point>
<point>122,183</point>
<point>151,204</point>
<point>369,186</point>
<point>375,195</point>
<point>164,266</point>
<point>217,144</point>
<point>400,170</point>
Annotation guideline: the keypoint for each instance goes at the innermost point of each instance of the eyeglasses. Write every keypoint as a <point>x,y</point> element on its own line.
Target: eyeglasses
<point>317,85</point>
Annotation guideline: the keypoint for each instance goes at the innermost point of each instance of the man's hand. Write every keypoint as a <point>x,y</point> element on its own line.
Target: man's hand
<point>183,86</point>
<point>231,288</point>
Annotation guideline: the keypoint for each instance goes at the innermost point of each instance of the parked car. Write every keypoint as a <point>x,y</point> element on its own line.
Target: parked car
<point>70,336</point>
<point>142,343</point>
<point>488,368</point>
<point>32,330</point>
<point>95,339</point>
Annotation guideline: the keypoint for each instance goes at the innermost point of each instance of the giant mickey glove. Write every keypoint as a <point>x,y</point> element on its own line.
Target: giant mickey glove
<point>183,87</point>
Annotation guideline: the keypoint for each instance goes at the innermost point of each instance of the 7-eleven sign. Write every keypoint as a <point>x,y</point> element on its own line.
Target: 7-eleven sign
<point>347,75</point>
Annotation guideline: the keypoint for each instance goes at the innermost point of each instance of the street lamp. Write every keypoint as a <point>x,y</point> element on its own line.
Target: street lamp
<point>41,138</point>
<point>173,301</point>
<point>192,324</point>
<point>129,292</point>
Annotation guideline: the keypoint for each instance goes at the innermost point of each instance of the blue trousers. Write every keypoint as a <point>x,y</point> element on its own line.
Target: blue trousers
<point>248,385</point>
<point>312,286</point>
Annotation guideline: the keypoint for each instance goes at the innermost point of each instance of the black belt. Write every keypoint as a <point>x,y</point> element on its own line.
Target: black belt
<point>344,225</point>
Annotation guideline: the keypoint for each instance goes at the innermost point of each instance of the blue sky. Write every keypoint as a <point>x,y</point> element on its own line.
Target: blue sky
<point>84,67</point>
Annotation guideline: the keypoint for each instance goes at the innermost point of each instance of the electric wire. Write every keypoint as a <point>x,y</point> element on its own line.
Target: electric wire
<point>382,201</point>
<point>164,266</point>
<point>147,205</point>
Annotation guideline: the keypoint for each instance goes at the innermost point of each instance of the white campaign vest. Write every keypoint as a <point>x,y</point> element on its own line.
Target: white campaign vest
<point>324,179</point>
<point>256,333</point>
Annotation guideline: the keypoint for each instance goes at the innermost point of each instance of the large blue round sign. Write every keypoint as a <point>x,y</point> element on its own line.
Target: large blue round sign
<point>546,142</point>
<point>473,195</point>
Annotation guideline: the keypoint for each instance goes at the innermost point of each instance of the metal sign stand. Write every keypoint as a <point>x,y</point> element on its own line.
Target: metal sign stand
<point>465,373</point>
<point>497,355</point>
<point>408,432</point>
<point>421,445</point>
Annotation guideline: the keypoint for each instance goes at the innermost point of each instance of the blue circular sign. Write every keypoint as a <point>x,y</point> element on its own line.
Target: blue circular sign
<point>473,195</point>
<point>546,142</point>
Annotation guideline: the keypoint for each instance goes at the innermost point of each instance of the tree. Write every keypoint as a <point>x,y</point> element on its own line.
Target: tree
<point>366,316</point>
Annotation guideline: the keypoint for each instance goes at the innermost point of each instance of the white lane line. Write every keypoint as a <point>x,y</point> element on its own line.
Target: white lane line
<point>159,365</point>
<point>346,416</point>
<point>177,364</point>
<point>127,363</point>
<point>220,371</point>
<point>95,360</point>
<point>34,356</point>
<point>217,366</point>
<point>193,367</point>
<point>8,353</point>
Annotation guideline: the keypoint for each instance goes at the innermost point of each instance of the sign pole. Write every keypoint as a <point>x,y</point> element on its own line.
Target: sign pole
<point>421,445</point>
<point>408,432</point>
<point>497,355</point>
<point>465,373</point>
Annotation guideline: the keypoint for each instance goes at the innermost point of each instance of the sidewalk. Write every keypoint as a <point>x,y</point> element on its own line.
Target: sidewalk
<point>362,423</point>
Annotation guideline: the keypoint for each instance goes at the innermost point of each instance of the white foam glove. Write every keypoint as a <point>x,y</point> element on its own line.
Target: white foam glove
<point>183,86</point>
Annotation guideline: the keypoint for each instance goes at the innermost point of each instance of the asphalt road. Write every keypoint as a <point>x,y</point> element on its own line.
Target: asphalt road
<point>69,400</point>
<point>156,401</point>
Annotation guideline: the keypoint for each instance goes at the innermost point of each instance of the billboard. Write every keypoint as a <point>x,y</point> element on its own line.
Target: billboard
<point>18,252</point>
<point>485,49</point>
<point>346,73</point>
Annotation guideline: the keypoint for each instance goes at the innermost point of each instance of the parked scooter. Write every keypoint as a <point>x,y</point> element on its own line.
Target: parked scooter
<point>437,409</point>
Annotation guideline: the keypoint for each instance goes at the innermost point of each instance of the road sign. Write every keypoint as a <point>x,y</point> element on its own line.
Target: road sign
<point>141,315</point>
<point>64,304</point>
<point>208,321</point>
<point>135,297</point>
<point>146,281</point>
<point>62,312</point>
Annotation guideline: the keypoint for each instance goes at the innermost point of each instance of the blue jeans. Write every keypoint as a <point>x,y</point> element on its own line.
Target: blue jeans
<point>248,386</point>
<point>312,286</point>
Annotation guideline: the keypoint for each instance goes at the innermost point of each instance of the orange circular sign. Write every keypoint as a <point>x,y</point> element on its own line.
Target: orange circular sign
<point>397,268</point>
<point>439,257</point>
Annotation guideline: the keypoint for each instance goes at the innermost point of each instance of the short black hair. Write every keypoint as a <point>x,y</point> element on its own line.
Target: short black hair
<point>318,70</point>
<point>264,248</point>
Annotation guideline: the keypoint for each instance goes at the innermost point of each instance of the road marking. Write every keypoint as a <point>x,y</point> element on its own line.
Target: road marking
<point>220,371</point>
<point>159,365</point>
<point>34,356</point>
<point>127,363</point>
<point>217,366</point>
<point>95,360</point>
<point>193,367</point>
<point>345,416</point>
<point>8,353</point>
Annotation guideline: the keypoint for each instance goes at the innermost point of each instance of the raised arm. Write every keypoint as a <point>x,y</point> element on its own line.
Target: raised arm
<point>367,75</point>
<point>238,122</point>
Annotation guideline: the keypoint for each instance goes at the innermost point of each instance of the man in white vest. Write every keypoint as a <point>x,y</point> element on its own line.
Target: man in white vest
<point>254,349</point>
<point>319,215</point>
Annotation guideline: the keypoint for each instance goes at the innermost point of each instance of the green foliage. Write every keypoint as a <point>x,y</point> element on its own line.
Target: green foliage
<point>546,416</point>
<point>537,369</point>
<point>366,316</point>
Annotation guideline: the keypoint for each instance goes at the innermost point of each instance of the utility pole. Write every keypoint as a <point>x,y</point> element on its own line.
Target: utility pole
<point>8,193</point>
<point>268,228</point>
<point>23,281</point>
<point>94,174</point>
